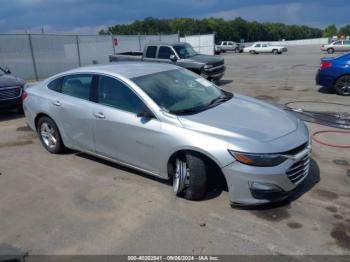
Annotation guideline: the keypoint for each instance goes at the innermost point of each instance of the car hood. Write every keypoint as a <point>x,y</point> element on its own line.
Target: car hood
<point>10,80</point>
<point>243,118</point>
<point>206,59</point>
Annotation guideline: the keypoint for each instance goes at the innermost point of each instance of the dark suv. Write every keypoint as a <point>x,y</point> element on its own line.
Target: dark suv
<point>11,88</point>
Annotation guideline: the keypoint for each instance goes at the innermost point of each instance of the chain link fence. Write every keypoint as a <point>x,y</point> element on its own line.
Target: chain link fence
<point>37,56</point>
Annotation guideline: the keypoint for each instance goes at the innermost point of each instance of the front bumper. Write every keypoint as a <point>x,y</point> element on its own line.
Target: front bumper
<point>324,79</point>
<point>10,103</point>
<point>252,185</point>
<point>214,72</point>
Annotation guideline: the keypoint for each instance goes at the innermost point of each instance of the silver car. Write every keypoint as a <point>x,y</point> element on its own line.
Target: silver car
<point>169,122</point>
<point>337,46</point>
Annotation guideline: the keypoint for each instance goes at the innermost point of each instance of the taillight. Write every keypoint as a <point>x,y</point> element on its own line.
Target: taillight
<point>24,95</point>
<point>325,64</point>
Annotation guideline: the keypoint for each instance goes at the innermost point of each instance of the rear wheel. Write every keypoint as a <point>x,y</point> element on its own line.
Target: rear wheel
<point>342,85</point>
<point>330,50</point>
<point>190,176</point>
<point>50,136</point>
<point>275,51</point>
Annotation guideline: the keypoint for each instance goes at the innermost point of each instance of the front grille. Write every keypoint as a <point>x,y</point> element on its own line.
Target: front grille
<point>10,93</point>
<point>299,170</point>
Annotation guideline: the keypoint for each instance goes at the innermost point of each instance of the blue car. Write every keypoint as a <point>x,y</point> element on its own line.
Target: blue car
<point>335,73</point>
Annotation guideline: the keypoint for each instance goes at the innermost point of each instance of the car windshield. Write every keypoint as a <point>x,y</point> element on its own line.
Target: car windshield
<point>185,51</point>
<point>181,92</point>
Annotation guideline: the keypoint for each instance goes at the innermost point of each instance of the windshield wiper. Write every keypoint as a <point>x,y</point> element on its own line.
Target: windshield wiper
<point>219,100</point>
<point>186,111</point>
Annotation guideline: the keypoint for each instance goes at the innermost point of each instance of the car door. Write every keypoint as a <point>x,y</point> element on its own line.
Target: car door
<point>338,45</point>
<point>119,133</point>
<point>70,109</point>
<point>346,45</point>
<point>257,48</point>
<point>265,48</point>
<point>164,53</point>
<point>151,53</point>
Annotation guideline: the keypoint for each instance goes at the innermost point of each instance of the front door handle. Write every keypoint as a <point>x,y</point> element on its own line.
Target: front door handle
<point>99,115</point>
<point>56,103</point>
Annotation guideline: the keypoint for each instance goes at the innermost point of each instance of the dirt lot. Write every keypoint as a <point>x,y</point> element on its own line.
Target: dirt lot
<point>77,204</point>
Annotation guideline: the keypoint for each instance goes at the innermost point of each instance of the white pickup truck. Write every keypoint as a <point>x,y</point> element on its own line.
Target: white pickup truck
<point>260,47</point>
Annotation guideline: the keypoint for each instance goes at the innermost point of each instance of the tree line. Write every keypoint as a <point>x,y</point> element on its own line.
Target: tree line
<point>332,30</point>
<point>230,30</point>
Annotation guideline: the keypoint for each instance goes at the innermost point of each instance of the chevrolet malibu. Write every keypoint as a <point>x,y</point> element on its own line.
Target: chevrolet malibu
<point>169,122</point>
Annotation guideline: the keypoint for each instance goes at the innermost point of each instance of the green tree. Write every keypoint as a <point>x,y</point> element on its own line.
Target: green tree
<point>330,31</point>
<point>345,30</point>
<point>230,30</point>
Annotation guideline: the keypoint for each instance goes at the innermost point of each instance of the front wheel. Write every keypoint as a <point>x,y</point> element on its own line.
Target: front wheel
<point>330,50</point>
<point>275,51</point>
<point>190,176</point>
<point>252,52</point>
<point>342,85</point>
<point>50,136</point>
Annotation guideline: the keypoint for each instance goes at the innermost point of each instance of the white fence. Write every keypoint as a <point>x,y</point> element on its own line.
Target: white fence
<point>314,41</point>
<point>135,43</point>
<point>34,56</point>
<point>203,44</point>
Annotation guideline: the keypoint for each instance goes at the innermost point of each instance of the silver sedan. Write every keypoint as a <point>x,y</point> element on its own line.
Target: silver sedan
<point>171,123</point>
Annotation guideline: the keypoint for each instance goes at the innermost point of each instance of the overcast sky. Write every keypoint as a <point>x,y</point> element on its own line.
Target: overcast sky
<point>89,16</point>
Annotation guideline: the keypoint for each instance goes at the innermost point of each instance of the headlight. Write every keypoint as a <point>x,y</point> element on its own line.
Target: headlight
<point>208,66</point>
<point>258,159</point>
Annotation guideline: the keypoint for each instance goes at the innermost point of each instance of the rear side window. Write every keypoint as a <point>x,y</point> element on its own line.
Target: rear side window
<point>114,93</point>
<point>77,85</point>
<point>55,85</point>
<point>151,52</point>
<point>165,52</point>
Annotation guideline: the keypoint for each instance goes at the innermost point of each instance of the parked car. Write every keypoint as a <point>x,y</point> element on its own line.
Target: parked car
<point>180,54</point>
<point>337,46</point>
<point>335,73</point>
<point>259,47</point>
<point>11,88</point>
<point>171,123</point>
<point>226,46</point>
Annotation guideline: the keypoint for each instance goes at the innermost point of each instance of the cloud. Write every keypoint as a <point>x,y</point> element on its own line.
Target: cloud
<point>86,15</point>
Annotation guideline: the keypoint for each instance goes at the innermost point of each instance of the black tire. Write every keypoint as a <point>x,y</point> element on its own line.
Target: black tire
<point>197,187</point>
<point>252,52</point>
<point>275,51</point>
<point>193,183</point>
<point>330,50</point>
<point>342,85</point>
<point>58,146</point>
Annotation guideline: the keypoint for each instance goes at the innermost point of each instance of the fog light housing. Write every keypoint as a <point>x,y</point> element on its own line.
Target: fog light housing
<point>267,191</point>
<point>264,187</point>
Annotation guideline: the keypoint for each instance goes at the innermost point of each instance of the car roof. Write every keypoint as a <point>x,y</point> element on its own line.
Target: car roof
<point>125,69</point>
<point>164,43</point>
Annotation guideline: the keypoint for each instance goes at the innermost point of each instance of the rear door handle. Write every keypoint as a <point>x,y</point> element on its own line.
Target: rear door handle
<point>99,115</point>
<point>56,103</point>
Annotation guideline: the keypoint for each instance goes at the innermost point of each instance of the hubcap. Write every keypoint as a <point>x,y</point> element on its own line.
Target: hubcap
<point>180,177</point>
<point>343,85</point>
<point>48,135</point>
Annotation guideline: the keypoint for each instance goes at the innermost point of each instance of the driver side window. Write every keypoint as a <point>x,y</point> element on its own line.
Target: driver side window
<point>114,93</point>
<point>258,45</point>
<point>165,52</point>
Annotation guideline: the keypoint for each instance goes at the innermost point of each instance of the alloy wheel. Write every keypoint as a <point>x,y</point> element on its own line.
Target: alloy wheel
<point>342,85</point>
<point>181,175</point>
<point>48,135</point>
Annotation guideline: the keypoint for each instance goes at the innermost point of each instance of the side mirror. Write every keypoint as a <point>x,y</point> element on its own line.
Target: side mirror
<point>145,114</point>
<point>7,70</point>
<point>173,58</point>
